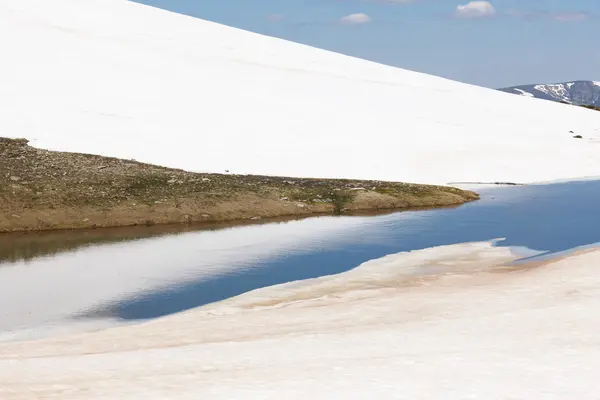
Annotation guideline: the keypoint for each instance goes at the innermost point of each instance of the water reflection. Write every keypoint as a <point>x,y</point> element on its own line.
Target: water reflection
<point>166,274</point>
<point>29,245</point>
<point>44,290</point>
<point>551,218</point>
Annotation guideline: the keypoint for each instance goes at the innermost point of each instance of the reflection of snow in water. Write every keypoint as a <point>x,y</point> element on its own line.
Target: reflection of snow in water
<point>72,282</point>
<point>164,275</point>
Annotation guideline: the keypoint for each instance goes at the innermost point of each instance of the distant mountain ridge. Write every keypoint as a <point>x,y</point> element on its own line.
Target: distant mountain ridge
<point>575,92</point>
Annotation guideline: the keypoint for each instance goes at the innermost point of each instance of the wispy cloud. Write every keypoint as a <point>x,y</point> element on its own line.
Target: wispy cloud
<point>484,9</point>
<point>355,19</point>
<point>569,16</point>
<point>564,16</point>
<point>391,1</point>
<point>275,17</point>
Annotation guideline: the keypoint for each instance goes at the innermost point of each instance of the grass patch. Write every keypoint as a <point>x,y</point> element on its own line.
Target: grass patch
<point>53,190</point>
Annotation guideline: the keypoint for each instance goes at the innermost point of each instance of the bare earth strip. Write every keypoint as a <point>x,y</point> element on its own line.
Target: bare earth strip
<point>43,190</point>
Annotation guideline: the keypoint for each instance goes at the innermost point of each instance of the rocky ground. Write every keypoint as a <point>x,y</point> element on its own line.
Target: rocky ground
<point>43,190</point>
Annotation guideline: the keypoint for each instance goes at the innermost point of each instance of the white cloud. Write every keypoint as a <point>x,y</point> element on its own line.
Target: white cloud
<point>355,19</point>
<point>475,9</point>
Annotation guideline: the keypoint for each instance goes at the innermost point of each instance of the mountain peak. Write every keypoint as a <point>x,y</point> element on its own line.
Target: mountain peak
<point>573,92</point>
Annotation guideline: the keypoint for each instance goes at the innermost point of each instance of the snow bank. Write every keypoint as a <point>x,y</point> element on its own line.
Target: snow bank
<point>122,79</point>
<point>378,331</point>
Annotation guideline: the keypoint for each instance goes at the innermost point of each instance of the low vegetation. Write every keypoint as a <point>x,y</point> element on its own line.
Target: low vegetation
<point>591,107</point>
<point>43,190</point>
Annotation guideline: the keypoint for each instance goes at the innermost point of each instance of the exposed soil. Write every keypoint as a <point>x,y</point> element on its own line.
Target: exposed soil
<point>45,190</point>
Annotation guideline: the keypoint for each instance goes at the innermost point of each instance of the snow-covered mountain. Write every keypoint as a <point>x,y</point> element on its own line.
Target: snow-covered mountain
<point>121,79</point>
<point>576,92</point>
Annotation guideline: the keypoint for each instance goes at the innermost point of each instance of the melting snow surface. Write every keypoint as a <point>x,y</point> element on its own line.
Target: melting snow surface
<point>117,78</point>
<point>379,331</point>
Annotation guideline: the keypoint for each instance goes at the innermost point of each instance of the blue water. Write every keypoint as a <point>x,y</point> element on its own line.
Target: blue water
<point>548,218</point>
<point>551,218</point>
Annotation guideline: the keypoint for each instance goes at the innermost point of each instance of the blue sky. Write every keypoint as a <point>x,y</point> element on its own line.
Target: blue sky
<point>492,43</point>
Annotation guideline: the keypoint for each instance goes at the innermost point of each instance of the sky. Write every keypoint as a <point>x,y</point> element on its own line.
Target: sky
<point>496,43</point>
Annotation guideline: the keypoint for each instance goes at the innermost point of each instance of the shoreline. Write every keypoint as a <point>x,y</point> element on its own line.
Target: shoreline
<point>46,190</point>
<point>531,311</point>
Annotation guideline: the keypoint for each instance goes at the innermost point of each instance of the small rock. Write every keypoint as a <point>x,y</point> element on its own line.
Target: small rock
<point>205,216</point>
<point>358,188</point>
<point>16,216</point>
<point>578,137</point>
<point>256,218</point>
<point>171,181</point>
<point>300,205</point>
<point>205,180</point>
<point>283,199</point>
<point>15,178</point>
<point>86,220</point>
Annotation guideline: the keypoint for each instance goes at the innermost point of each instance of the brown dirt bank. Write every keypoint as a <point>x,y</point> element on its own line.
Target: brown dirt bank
<point>44,190</point>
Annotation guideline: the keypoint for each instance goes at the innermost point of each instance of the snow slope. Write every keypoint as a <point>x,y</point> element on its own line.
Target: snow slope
<point>367,333</point>
<point>117,78</point>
